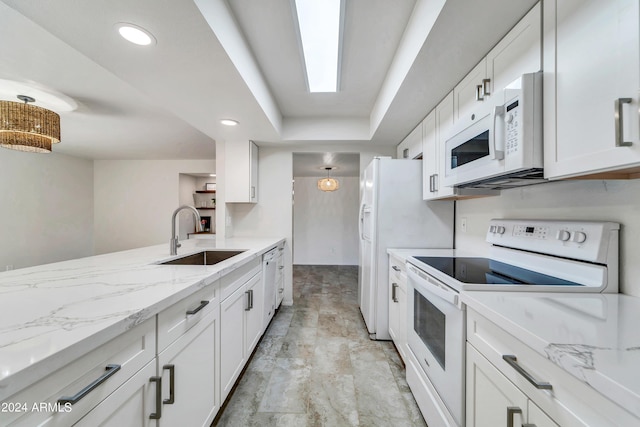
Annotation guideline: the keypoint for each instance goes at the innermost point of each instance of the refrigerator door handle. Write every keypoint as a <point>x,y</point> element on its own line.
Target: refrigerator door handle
<point>361,223</point>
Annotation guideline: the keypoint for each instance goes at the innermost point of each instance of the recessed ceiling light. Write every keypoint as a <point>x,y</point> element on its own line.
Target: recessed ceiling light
<point>319,27</point>
<point>135,34</point>
<point>229,122</point>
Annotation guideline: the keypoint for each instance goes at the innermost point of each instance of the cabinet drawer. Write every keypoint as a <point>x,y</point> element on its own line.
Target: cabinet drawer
<point>238,277</point>
<point>569,403</point>
<point>180,317</point>
<point>131,351</point>
<point>397,272</point>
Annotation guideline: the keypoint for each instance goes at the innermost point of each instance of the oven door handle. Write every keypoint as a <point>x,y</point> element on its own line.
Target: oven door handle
<point>441,291</point>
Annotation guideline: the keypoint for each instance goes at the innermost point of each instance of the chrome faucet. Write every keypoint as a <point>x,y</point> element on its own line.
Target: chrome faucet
<point>174,244</point>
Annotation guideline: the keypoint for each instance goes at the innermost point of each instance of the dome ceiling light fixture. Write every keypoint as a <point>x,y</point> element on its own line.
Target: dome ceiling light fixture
<point>328,183</point>
<point>229,122</point>
<point>25,127</point>
<point>135,34</point>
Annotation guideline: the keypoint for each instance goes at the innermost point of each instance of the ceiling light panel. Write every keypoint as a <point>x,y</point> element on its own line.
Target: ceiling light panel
<point>135,34</point>
<point>319,23</point>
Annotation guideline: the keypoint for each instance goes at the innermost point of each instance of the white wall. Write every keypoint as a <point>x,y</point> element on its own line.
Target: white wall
<point>616,201</point>
<point>134,200</point>
<point>187,185</point>
<point>325,224</point>
<point>47,208</point>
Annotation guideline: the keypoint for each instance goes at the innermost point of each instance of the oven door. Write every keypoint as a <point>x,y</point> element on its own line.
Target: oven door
<point>436,336</point>
<point>477,151</point>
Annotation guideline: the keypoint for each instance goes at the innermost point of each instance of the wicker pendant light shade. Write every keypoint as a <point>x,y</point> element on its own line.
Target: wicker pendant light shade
<point>328,183</point>
<point>26,127</point>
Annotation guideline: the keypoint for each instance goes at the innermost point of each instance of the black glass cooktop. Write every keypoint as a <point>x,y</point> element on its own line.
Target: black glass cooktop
<point>485,271</point>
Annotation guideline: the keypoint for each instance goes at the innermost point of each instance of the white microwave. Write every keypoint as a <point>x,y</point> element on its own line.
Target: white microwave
<point>503,147</point>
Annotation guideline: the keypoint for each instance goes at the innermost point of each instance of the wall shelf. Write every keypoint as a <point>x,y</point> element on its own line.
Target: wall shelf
<point>205,191</point>
<point>205,208</point>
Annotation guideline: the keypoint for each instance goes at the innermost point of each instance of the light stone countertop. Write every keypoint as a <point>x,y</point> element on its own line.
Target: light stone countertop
<point>52,314</point>
<point>594,337</point>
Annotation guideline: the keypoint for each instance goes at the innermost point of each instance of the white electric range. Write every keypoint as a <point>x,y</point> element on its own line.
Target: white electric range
<point>526,255</point>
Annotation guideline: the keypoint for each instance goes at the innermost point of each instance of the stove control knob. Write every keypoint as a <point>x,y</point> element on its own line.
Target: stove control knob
<point>578,237</point>
<point>500,229</point>
<point>492,229</point>
<point>563,235</point>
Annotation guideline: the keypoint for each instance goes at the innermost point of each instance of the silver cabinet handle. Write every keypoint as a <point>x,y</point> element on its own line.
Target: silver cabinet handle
<point>281,290</point>
<point>109,371</point>
<point>253,192</point>
<point>405,153</point>
<point>513,362</point>
<point>172,378</point>
<point>248,294</point>
<point>479,93</point>
<point>251,297</point>
<point>485,87</point>
<point>431,185</point>
<point>202,305</point>
<point>156,415</point>
<point>394,297</point>
<point>435,182</point>
<point>511,411</point>
<point>281,267</point>
<point>396,268</point>
<point>619,123</point>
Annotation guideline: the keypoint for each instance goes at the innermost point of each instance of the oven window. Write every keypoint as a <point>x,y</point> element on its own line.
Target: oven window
<point>474,149</point>
<point>430,325</point>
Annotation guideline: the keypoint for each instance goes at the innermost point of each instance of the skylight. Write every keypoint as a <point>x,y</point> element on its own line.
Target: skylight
<point>319,25</point>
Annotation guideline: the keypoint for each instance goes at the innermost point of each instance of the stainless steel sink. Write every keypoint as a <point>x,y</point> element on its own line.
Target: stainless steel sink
<point>203,258</point>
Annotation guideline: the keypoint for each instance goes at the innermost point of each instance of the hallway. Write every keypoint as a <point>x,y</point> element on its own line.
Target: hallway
<point>316,365</point>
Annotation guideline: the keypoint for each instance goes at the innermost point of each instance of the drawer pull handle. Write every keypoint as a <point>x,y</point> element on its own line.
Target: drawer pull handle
<point>109,371</point>
<point>156,415</point>
<point>281,267</point>
<point>172,377</point>
<point>479,93</point>
<point>513,362</point>
<point>249,294</point>
<point>511,411</point>
<point>396,268</point>
<point>394,297</point>
<point>202,305</point>
<point>620,142</point>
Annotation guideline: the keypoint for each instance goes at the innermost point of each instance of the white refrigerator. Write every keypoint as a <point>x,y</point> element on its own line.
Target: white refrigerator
<point>393,215</point>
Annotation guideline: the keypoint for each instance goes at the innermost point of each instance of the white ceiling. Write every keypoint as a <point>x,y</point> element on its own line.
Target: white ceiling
<point>314,164</point>
<point>240,59</point>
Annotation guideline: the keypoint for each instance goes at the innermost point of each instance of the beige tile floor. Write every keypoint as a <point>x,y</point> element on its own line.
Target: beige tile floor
<point>316,365</point>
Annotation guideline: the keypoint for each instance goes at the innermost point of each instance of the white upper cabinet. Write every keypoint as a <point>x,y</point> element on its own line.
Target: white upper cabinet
<point>411,146</point>
<point>591,85</point>
<point>518,52</point>
<point>437,127</point>
<point>241,169</point>
<point>469,95</point>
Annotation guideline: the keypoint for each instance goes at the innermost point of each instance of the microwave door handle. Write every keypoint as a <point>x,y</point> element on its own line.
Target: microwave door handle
<point>498,111</point>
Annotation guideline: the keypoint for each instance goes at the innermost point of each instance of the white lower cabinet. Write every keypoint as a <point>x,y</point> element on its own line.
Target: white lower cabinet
<point>189,372</point>
<point>510,384</point>
<point>130,405</point>
<point>66,395</point>
<point>280,275</point>
<point>398,305</point>
<point>241,321</point>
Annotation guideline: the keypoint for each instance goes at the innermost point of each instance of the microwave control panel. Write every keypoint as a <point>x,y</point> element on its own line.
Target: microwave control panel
<point>512,121</point>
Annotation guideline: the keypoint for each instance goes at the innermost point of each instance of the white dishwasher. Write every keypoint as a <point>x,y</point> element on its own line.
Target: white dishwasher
<point>269,269</point>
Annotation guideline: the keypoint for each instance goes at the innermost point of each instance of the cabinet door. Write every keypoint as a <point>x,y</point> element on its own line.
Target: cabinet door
<point>241,168</point>
<point>394,309</point>
<point>491,397</point>
<point>232,354</point>
<point>253,156</point>
<point>467,95</point>
<point>253,316</point>
<point>429,156</point>
<point>444,126</point>
<point>189,375</point>
<point>519,52</point>
<point>130,405</point>
<point>411,146</point>
<point>591,60</point>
